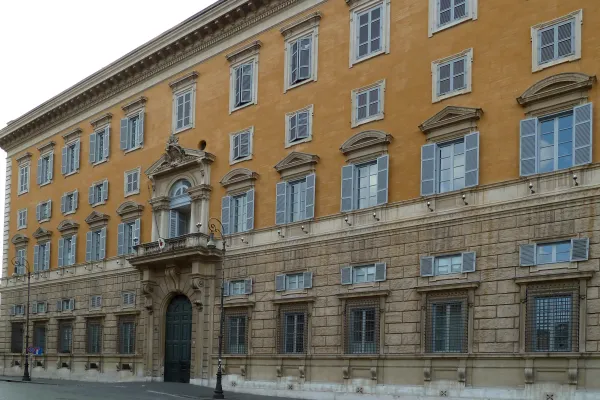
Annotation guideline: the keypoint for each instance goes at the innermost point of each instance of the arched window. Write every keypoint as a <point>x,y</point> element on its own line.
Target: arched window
<point>180,209</point>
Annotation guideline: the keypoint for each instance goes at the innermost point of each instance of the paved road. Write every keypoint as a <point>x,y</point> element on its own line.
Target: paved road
<point>72,390</point>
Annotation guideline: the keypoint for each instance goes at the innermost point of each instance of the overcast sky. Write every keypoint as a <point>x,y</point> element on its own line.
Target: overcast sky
<point>48,46</point>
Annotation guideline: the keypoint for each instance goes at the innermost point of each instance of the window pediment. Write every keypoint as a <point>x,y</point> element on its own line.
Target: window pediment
<point>130,210</point>
<point>24,158</point>
<point>42,234</point>
<point>135,105</point>
<point>68,227</point>
<point>184,81</point>
<point>366,145</point>
<point>296,164</point>
<point>451,122</point>
<point>101,121</point>
<point>309,20</point>
<point>176,158</point>
<point>97,219</point>
<point>47,146</point>
<point>239,179</point>
<point>71,135</point>
<point>248,50</point>
<point>556,92</point>
<point>19,240</point>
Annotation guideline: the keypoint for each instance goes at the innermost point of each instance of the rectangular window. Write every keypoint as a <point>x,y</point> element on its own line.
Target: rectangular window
<point>20,261</point>
<point>67,304</point>
<point>94,336</point>
<point>23,178</point>
<point>294,281</point>
<point>550,253</point>
<point>96,245</point>
<point>133,131</point>
<point>300,59</point>
<point>40,307</point>
<point>241,145</point>
<point>237,287</point>
<point>69,202</point>
<point>126,335</point>
<point>128,237</point>
<point>368,105</point>
<point>179,222</point>
<point>70,158</point>
<point>451,10</point>
<point>447,326</point>
<point>299,126</point>
<point>294,332</point>
<point>366,185</point>
<point>132,182</point>
<point>552,318</point>
<point>45,169</point>
<point>297,281</point>
<point>39,336</point>
<point>555,138</point>
<point>243,81</point>
<point>98,193</point>
<point>297,200</point>
<point>362,328</point>
<point>449,264</point>
<point>95,302</point>
<point>16,338</point>
<point>452,76</point>
<point>183,110</point>
<point>19,309</point>
<point>65,337</point>
<point>44,210</point>
<point>22,219</point>
<point>239,214</point>
<point>128,299</point>
<point>363,274</point>
<point>557,41</point>
<point>236,334</point>
<point>68,251</point>
<point>452,166</point>
<point>369,27</point>
<point>41,257</point>
<point>100,145</point>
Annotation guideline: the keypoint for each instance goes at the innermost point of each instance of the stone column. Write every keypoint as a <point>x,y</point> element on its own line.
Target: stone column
<point>160,217</point>
<point>200,196</point>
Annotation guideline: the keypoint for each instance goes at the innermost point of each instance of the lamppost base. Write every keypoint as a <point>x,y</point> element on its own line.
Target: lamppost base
<point>218,395</point>
<point>26,379</point>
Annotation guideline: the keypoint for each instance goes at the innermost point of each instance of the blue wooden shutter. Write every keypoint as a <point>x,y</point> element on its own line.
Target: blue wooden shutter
<point>91,195</point>
<point>93,148</point>
<point>76,157</point>
<point>426,264</point>
<point>71,304</point>
<point>226,214</point>
<point>73,250</point>
<point>294,62</point>
<point>468,262</point>
<point>50,166</point>
<point>36,257</point>
<point>39,171</point>
<point>307,278</point>
<point>75,199</point>
<point>244,144</point>
<point>103,243</point>
<point>347,188</point>
<point>280,283</point>
<point>59,305</point>
<point>528,151</point>
<point>34,307</point>
<point>61,251</point>
<point>582,132</point>
<point>106,142</point>
<point>303,124</point>
<point>248,286</point>
<point>121,239</point>
<point>247,74</point>
<point>63,203</point>
<point>346,275</point>
<point>46,256</point>
<point>309,204</point>
<point>293,127</point>
<point>235,153</point>
<point>249,209</point>
<point>173,221</point>
<point>380,272</point>
<point>49,208</point>
<point>382,179</point>
<point>104,190</point>
<point>472,159</point>
<point>63,167</point>
<point>137,232</point>
<point>141,129</point>
<point>281,203</point>
<point>88,246</point>
<point>527,255</point>
<point>428,169</point>
<point>38,212</point>
<point>580,249</point>
<point>125,134</point>
<point>304,58</point>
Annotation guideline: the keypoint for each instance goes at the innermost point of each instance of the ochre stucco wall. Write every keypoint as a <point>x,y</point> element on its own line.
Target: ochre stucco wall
<point>501,71</point>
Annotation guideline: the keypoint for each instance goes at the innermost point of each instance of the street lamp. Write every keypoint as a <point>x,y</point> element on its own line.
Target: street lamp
<point>218,394</point>
<point>22,262</point>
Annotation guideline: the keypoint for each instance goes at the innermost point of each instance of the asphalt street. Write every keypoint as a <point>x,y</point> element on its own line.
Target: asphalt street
<point>73,390</point>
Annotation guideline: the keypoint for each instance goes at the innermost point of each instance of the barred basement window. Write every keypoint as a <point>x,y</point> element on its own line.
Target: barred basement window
<point>94,336</point>
<point>65,337</point>
<point>236,332</point>
<point>126,335</point>
<point>16,338</point>
<point>552,318</point>
<point>447,323</point>
<point>293,328</point>
<point>362,327</point>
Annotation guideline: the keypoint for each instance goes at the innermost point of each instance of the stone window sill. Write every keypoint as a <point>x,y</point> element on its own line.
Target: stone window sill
<point>100,162</point>
<point>71,173</point>
<point>138,147</point>
<point>363,293</point>
<point>23,192</point>
<point>295,142</point>
<point>296,299</point>
<point>365,58</point>
<point>101,203</point>
<point>132,193</point>
<point>554,277</point>
<point>45,183</point>
<point>377,117</point>
<point>447,286</point>
<point>185,128</point>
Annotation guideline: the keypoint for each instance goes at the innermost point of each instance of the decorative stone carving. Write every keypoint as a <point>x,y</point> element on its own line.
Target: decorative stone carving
<point>427,374</point>
<point>461,374</point>
<point>373,373</point>
<point>529,374</point>
<point>101,120</point>
<point>278,371</point>
<point>242,370</point>
<point>345,372</point>
<point>173,274</point>
<point>239,179</point>
<point>200,192</point>
<point>197,284</point>
<point>19,240</point>
<point>42,234</point>
<point>572,376</point>
<point>177,157</point>
<point>174,153</point>
<point>159,203</point>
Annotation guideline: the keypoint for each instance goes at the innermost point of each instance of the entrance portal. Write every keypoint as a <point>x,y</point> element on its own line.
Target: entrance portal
<point>178,345</point>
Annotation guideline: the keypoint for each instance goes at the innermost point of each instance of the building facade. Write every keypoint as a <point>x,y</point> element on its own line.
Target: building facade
<point>407,190</point>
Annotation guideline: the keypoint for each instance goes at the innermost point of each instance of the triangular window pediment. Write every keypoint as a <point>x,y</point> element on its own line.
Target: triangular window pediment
<point>67,224</point>
<point>451,122</point>
<point>96,217</point>
<point>42,234</point>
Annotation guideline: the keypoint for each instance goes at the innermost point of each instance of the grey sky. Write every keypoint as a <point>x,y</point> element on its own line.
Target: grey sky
<point>48,46</point>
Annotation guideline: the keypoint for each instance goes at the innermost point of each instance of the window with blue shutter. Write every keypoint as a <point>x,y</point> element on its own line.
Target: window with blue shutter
<point>365,185</point>
<point>300,60</point>
<point>243,81</point>
<point>554,252</point>
<point>70,158</point>
<point>45,169</point>
<point>132,131</point>
<point>448,264</point>
<point>298,126</point>
<point>241,145</point>
<point>183,110</point>
<point>24,178</point>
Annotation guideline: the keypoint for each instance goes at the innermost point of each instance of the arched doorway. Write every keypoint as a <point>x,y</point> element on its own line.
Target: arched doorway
<point>178,342</point>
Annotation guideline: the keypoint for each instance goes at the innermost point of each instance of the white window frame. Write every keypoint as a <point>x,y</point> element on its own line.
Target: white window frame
<point>128,299</point>
<point>471,14</point>
<point>191,88</point>
<point>359,7</point>
<point>24,166</point>
<point>368,269</point>
<point>233,208</point>
<point>313,32</point>
<point>250,145</point>
<point>299,279</point>
<point>19,309</point>
<point>102,201</point>
<point>252,58</point>
<point>468,56</point>
<point>310,110</point>
<point>19,214</point>
<point>137,113</point>
<point>49,155</point>
<point>578,17</point>
<point>379,116</point>
<point>68,145</point>
<point>126,175</point>
<point>236,284</point>
<point>74,203</point>
<point>554,245</point>
<point>68,302</point>
<point>47,205</point>
<point>95,302</point>
<point>104,130</point>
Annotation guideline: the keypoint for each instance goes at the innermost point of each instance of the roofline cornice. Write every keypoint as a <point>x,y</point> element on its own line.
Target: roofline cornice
<point>197,33</point>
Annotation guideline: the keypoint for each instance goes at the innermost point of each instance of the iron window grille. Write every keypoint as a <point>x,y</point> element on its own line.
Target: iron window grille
<point>236,332</point>
<point>362,326</point>
<point>16,338</point>
<point>39,335</point>
<point>126,335</point>
<point>447,323</point>
<point>292,329</point>
<point>94,336</point>
<point>552,318</point>
<point>65,337</point>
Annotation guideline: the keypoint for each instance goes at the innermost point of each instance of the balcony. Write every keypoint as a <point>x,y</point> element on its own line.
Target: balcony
<point>181,248</point>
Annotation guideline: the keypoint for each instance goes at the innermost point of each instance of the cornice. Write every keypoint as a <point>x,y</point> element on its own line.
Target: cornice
<point>308,20</point>
<point>215,24</point>
<point>563,276</point>
<point>46,146</point>
<point>184,81</point>
<point>101,120</point>
<point>74,134</point>
<point>249,49</point>
<point>447,287</point>
<point>24,158</point>
<point>135,104</point>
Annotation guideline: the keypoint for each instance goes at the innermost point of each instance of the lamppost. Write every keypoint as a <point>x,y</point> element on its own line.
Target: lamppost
<point>22,262</point>
<point>218,394</point>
